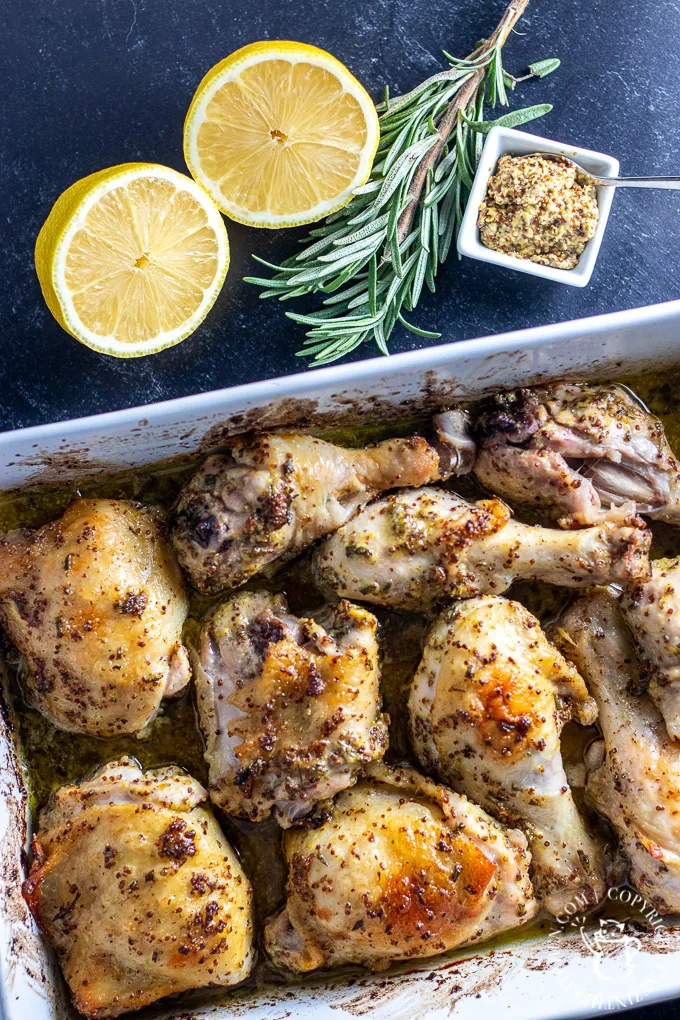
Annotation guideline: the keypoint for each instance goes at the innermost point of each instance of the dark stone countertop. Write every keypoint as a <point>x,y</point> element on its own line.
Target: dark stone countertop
<point>89,85</point>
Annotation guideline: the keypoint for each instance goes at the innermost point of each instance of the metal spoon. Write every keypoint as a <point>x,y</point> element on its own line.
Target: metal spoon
<point>672,183</point>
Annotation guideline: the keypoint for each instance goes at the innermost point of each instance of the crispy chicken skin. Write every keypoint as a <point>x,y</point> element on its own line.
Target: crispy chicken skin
<point>652,611</point>
<point>635,771</point>
<point>138,890</point>
<point>290,710</point>
<point>95,603</point>
<point>401,869</point>
<point>419,549</point>
<point>271,495</point>
<point>581,452</point>
<point>486,710</point>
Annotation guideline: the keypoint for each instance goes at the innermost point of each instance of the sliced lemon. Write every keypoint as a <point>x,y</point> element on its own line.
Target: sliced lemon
<point>280,133</point>
<point>131,259</point>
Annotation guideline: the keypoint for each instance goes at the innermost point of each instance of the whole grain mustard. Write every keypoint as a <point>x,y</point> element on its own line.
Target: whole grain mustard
<point>538,209</point>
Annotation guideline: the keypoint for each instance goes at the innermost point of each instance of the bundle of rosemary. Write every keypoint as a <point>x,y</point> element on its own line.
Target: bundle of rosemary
<point>374,256</point>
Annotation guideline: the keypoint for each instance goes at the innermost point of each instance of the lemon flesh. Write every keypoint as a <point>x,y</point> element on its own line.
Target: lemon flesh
<point>280,134</point>
<point>132,258</point>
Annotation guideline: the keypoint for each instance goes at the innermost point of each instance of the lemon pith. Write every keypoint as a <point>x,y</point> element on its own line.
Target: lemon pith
<point>280,133</point>
<point>131,258</point>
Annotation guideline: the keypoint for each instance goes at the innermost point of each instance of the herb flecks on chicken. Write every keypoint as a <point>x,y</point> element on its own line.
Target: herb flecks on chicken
<point>138,890</point>
<point>271,495</point>
<point>419,549</point>
<point>634,775</point>
<point>423,871</point>
<point>290,709</point>
<point>486,710</point>
<point>95,603</point>
<point>652,611</point>
<point>582,452</point>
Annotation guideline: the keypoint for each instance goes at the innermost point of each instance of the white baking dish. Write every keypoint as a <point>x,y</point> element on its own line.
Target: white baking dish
<point>530,980</point>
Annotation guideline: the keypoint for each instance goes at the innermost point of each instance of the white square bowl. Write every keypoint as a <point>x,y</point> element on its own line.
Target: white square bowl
<point>502,140</point>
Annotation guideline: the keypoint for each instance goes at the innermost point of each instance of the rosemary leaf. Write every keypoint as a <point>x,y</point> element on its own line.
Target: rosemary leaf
<point>543,67</point>
<point>462,164</point>
<point>372,285</point>
<point>509,119</point>
<point>417,330</point>
<point>500,83</point>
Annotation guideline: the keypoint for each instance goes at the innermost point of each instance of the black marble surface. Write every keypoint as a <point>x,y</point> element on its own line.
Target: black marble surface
<point>92,83</point>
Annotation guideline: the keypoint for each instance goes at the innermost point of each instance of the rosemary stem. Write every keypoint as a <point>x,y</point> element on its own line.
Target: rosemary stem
<point>461,101</point>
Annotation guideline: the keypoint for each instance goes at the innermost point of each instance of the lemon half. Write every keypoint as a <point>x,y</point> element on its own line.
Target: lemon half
<point>280,133</point>
<point>131,259</point>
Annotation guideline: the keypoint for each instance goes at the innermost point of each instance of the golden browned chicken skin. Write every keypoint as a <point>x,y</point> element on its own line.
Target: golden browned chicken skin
<point>487,706</point>
<point>418,549</point>
<point>582,452</point>
<point>290,709</point>
<point>634,777</point>
<point>401,869</point>
<point>271,495</point>
<point>95,603</point>
<point>138,890</point>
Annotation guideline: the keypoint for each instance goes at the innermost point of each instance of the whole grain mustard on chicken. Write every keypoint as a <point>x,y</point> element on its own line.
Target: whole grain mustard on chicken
<point>138,890</point>
<point>634,777</point>
<point>581,452</point>
<point>487,707</point>
<point>652,611</point>
<point>398,869</point>
<point>419,549</point>
<point>272,495</point>
<point>95,603</point>
<point>289,707</point>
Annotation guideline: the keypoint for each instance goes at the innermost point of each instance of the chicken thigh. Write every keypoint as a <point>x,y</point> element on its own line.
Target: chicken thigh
<point>582,452</point>
<point>95,603</point>
<point>635,777</point>
<point>487,706</point>
<point>400,869</point>
<point>652,611</point>
<point>290,711</point>
<point>272,495</point>
<point>137,889</point>
<point>417,549</point>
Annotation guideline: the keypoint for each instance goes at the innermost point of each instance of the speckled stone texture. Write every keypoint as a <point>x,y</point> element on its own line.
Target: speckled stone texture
<point>91,83</point>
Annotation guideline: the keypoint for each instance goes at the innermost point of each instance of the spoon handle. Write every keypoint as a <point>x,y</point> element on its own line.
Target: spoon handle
<point>672,183</point>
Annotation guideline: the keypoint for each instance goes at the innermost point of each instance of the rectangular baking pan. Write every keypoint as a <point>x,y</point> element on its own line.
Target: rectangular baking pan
<point>530,979</point>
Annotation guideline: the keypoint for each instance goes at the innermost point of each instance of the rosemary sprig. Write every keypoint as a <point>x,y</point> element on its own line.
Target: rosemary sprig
<point>373,258</point>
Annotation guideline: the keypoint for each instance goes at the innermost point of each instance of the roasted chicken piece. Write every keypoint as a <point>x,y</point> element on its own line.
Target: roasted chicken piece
<point>269,496</point>
<point>138,890</point>
<point>95,603</point>
<point>635,771</point>
<point>486,710</point>
<point>417,549</point>
<point>290,711</point>
<point>652,611</point>
<point>400,869</point>
<point>582,452</point>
